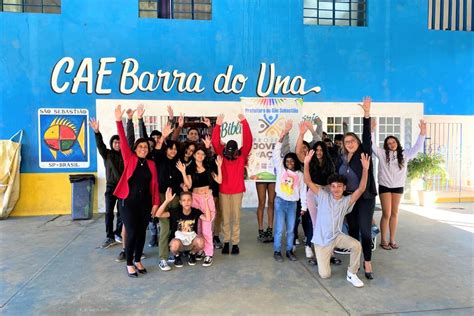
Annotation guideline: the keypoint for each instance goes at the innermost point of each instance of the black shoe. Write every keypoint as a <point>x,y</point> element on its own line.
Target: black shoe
<point>192,259</point>
<point>277,256</point>
<point>132,275</point>
<point>142,271</point>
<point>313,262</point>
<point>121,256</point>
<point>235,250</point>
<point>290,255</point>
<point>261,235</point>
<point>225,249</point>
<point>153,241</point>
<point>178,263</point>
<point>268,235</point>
<point>368,275</point>
<point>217,242</point>
<point>336,261</point>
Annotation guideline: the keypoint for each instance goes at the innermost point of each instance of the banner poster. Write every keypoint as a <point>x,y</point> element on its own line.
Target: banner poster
<point>63,138</point>
<point>267,117</point>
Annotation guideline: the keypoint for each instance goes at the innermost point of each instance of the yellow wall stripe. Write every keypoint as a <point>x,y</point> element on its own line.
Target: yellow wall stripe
<point>46,194</point>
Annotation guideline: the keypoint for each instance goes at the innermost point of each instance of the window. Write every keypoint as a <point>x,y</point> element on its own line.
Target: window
<point>452,15</point>
<point>335,12</point>
<point>388,126</point>
<point>37,6</point>
<point>176,9</point>
<point>336,125</point>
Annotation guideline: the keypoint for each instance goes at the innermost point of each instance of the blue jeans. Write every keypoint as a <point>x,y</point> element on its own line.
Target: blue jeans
<point>284,214</point>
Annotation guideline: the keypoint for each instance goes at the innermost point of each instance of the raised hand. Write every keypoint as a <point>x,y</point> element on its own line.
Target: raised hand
<point>318,121</point>
<point>181,120</point>
<point>309,126</point>
<point>206,121</point>
<point>422,126</point>
<point>118,113</point>
<point>167,130</point>
<point>129,113</point>
<point>170,113</point>
<point>220,119</point>
<point>241,117</point>
<point>219,161</point>
<point>308,157</point>
<point>366,102</point>
<point>365,159</point>
<point>140,110</point>
<point>181,166</point>
<point>169,196</point>
<point>288,126</point>
<point>373,124</point>
<point>302,127</point>
<point>94,124</point>
<point>207,141</point>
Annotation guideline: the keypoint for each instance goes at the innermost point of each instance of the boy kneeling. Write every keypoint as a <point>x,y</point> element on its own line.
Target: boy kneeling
<point>332,207</point>
<point>184,226</point>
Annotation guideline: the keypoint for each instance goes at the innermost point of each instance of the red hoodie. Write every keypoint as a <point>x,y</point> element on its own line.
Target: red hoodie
<point>130,160</point>
<point>233,170</point>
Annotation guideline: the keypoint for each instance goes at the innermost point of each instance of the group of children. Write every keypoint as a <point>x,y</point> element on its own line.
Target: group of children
<point>195,192</point>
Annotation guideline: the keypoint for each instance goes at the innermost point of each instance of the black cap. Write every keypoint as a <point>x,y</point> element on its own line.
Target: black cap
<point>231,149</point>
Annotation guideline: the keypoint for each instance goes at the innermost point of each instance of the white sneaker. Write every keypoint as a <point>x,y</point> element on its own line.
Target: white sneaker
<point>164,265</point>
<point>309,252</point>
<point>297,242</point>
<point>354,279</point>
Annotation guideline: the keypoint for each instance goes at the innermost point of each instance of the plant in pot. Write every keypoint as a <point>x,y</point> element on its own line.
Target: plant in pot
<point>426,167</point>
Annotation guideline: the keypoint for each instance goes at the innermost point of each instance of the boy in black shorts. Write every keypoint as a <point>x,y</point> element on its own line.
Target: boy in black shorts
<point>184,226</point>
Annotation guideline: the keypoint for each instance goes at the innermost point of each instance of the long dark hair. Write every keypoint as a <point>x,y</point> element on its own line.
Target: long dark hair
<point>401,160</point>
<point>186,145</point>
<point>295,158</point>
<point>326,165</point>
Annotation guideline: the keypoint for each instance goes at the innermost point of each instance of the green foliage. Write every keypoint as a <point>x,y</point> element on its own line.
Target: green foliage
<point>426,167</point>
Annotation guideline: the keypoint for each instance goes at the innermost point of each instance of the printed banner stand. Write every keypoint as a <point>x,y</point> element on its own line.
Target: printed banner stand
<point>267,117</point>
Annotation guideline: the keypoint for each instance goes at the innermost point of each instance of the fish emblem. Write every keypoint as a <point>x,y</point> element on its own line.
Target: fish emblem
<point>61,136</point>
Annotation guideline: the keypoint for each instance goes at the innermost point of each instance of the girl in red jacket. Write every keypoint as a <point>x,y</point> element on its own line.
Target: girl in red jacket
<point>138,193</point>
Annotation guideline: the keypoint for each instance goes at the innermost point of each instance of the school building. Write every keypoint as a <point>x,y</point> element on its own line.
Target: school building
<point>64,62</point>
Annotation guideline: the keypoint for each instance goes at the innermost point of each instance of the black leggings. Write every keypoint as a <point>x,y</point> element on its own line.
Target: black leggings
<point>135,216</point>
<point>306,223</point>
<point>360,224</point>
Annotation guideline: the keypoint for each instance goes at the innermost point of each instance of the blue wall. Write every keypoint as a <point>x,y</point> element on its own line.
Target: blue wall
<point>395,59</point>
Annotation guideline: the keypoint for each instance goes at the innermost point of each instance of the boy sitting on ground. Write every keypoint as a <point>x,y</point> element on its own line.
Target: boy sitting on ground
<point>184,226</point>
<point>332,208</point>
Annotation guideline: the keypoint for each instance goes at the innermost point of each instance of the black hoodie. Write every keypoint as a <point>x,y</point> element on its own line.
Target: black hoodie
<point>113,160</point>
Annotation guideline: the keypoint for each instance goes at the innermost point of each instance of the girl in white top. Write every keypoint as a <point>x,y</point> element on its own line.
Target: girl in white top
<point>290,188</point>
<point>392,171</point>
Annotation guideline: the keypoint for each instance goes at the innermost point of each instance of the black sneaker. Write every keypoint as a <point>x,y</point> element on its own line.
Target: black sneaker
<point>225,249</point>
<point>269,235</point>
<point>200,255</point>
<point>277,256</point>
<point>121,256</point>
<point>109,242</point>
<point>192,259</point>
<point>235,250</point>
<point>336,261</point>
<point>207,261</point>
<point>290,255</point>
<point>217,242</point>
<point>153,241</point>
<point>178,263</point>
<point>261,235</point>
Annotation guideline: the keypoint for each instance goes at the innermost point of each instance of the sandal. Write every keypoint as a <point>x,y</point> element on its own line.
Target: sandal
<point>386,246</point>
<point>394,245</point>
